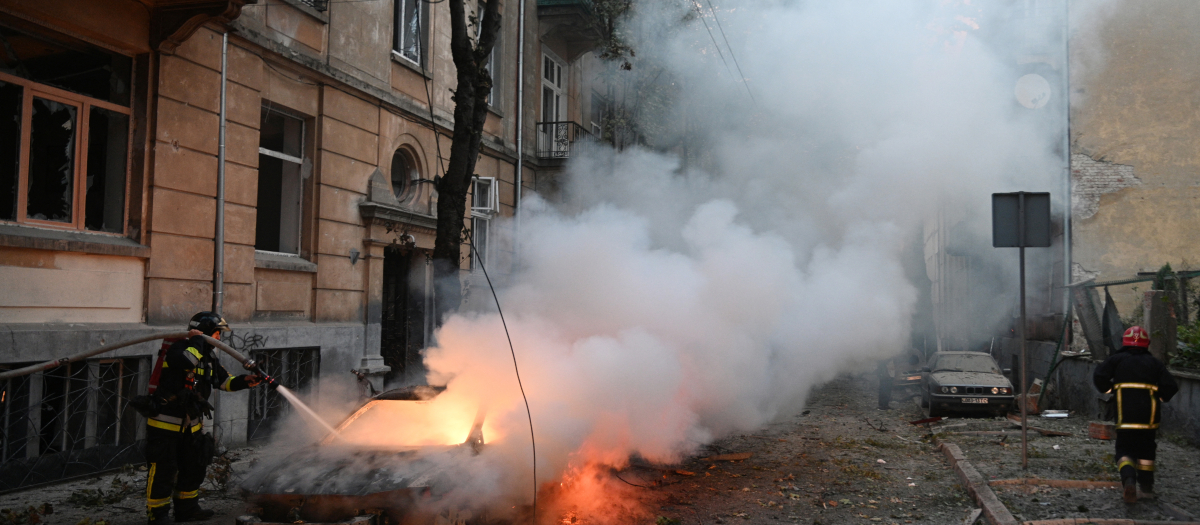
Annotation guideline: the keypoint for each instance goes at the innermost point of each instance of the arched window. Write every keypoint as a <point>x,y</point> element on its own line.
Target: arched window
<point>404,174</point>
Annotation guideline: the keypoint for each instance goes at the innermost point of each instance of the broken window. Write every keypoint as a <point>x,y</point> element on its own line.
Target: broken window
<point>281,170</point>
<point>64,133</point>
<point>408,30</point>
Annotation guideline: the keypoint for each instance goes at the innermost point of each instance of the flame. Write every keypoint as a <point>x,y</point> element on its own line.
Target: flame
<point>589,494</point>
<point>400,424</point>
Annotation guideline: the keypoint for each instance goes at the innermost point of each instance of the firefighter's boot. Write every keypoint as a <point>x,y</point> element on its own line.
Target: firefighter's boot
<point>1145,480</point>
<point>189,510</point>
<point>159,515</point>
<point>1129,483</point>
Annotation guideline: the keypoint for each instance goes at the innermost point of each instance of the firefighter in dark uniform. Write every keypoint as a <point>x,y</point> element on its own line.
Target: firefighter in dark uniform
<point>1140,383</point>
<point>177,449</point>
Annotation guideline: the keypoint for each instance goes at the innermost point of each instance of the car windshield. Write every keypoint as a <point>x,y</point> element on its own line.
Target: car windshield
<point>966,363</point>
<point>402,424</point>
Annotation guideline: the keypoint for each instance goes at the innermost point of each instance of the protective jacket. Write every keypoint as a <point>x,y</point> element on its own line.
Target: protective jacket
<point>1140,384</point>
<point>190,372</point>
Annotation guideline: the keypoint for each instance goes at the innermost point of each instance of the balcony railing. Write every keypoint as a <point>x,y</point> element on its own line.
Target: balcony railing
<point>555,139</point>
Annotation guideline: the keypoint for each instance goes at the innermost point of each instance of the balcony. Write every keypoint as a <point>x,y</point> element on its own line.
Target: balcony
<point>556,139</point>
<point>570,23</point>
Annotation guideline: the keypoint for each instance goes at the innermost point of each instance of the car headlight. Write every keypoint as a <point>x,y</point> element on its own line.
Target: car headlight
<point>945,389</point>
<point>953,390</point>
<point>995,390</point>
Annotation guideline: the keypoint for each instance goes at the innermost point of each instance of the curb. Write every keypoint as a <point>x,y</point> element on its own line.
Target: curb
<point>1093,521</point>
<point>995,512</point>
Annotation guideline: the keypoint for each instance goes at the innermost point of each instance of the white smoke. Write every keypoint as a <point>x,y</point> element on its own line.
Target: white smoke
<point>664,307</point>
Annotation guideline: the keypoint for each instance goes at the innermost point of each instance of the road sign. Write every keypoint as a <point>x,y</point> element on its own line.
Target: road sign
<point>1006,220</point>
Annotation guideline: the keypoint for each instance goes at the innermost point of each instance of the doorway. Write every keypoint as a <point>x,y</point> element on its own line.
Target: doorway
<point>405,325</point>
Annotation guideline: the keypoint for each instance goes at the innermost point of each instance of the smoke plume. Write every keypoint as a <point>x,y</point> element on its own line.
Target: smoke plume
<point>665,300</point>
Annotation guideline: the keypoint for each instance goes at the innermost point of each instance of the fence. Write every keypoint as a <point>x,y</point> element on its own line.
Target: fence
<point>70,421</point>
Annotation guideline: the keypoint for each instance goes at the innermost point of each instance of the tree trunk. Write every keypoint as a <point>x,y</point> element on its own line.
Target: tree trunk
<point>470,112</point>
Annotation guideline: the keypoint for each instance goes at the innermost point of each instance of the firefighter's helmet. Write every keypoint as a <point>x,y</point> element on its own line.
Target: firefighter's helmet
<point>208,323</point>
<point>1136,336</point>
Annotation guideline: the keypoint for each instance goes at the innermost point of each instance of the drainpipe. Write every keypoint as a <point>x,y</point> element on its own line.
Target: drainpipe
<point>1067,160</point>
<point>520,129</point>
<point>218,301</point>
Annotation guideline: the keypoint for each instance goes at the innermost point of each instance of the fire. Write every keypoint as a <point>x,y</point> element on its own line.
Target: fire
<point>591,494</point>
<point>399,424</point>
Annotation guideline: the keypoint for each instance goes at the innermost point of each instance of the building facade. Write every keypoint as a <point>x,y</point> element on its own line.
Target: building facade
<point>337,119</point>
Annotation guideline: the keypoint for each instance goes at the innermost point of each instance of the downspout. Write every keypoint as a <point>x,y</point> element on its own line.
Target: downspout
<point>1067,160</point>
<point>520,130</point>
<point>218,301</point>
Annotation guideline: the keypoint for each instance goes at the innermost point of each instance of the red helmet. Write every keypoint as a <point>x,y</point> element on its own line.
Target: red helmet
<point>1136,336</point>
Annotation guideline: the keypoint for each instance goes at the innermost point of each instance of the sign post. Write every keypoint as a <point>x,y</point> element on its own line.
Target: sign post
<point>1021,220</point>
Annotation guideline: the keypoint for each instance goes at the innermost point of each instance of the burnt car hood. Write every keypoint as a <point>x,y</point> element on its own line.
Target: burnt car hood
<point>969,378</point>
<point>328,470</point>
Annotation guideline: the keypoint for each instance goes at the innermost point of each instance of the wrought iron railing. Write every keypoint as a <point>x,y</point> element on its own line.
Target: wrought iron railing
<point>556,139</point>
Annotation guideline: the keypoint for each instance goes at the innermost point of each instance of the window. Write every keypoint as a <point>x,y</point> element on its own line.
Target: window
<point>479,238</point>
<point>552,134</point>
<point>64,133</point>
<point>408,30</point>
<point>281,167</point>
<point>402,175</point>
<point>553,101</point>
<point>484,206</point>
<point>69,421</point>
<point>599,111</point>
<point>483,191</point>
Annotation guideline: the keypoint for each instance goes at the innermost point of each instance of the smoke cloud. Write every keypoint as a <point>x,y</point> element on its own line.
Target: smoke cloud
<point>667,300</point>
<point>664,306</point>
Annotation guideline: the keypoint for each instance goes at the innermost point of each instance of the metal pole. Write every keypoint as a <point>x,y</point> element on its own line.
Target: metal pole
<point>1066,145</point>
<point>1024,387</point>
<point>218,301</point>
<point>520,130</point>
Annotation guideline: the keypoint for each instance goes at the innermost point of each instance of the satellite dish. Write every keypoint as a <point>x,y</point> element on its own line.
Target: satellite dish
<point>1033,91</point>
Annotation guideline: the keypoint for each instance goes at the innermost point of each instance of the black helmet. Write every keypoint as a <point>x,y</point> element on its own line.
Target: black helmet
<point>207,322</point>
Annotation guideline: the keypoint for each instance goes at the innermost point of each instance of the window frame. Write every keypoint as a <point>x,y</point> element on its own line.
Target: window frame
<point>422,32</point>
<point>492,206</point>
<point>83,105</point>
<point>303,184</point>
<point>478,255</point>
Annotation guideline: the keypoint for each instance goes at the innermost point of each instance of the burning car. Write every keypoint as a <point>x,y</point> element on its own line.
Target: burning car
<point>395,458</point>
<point>965,382</point>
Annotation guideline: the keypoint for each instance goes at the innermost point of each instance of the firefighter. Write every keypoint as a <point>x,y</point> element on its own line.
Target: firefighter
<point>178,451</point>
<point>1140,383</point>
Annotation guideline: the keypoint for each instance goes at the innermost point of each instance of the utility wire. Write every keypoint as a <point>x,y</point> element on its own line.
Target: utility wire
<point>714,41</point>
<point>731,55</point>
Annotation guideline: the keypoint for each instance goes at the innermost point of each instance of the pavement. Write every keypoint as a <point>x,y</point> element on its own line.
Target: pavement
<point>841,460</point>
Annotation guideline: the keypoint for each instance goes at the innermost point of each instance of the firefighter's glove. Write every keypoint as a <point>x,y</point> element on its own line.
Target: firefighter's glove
<point>252,380</point>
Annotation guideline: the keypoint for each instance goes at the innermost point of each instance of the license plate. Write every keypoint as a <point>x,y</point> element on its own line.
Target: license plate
<point>975,400</point>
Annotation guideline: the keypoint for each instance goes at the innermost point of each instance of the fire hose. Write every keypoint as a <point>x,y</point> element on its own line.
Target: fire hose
<point>246,362</point>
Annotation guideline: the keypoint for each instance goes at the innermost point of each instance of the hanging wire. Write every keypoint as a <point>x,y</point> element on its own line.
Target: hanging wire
<point>731,55</point>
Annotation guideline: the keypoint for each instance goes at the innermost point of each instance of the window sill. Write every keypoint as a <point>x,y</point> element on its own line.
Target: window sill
<point>283,261</point>
<point>397,59</point>
<point>15,236</point>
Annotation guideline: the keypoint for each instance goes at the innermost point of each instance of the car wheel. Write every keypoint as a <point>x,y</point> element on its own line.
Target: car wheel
<point>931,412</point>
<point>924,402</point>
